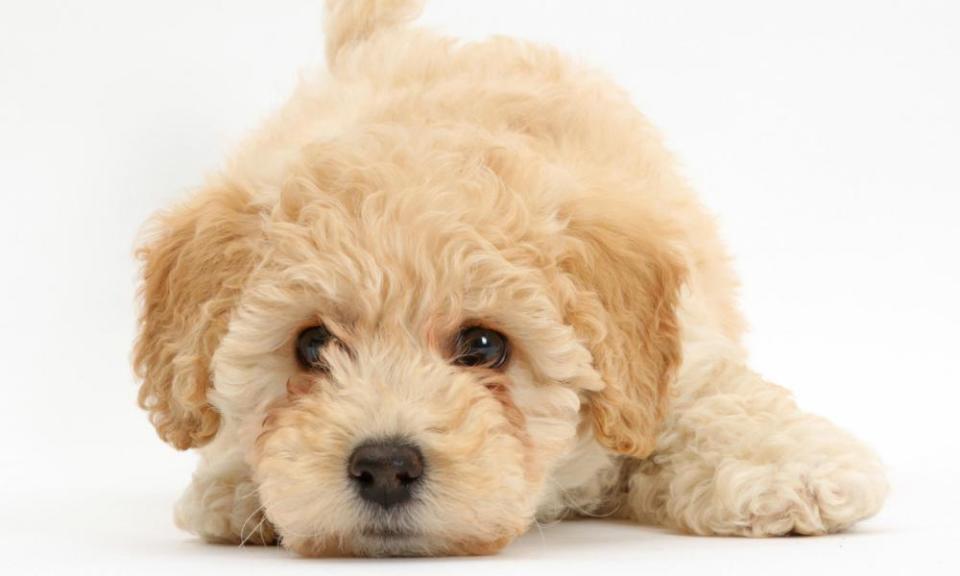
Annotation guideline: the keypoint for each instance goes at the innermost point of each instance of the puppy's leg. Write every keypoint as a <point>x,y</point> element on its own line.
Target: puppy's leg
<point>737,457</point>
<point>222,505</point>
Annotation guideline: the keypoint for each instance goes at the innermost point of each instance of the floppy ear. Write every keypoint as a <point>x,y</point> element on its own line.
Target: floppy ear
<point>627,283</point>
<point>194,265</point>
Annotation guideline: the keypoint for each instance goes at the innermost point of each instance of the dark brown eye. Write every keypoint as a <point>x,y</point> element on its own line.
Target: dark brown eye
<point>310,344</point>
<point>482,348</point>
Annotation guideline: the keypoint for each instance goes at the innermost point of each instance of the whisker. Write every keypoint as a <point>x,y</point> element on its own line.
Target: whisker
<point>243,539</point>
<point>570,503</point>
<point>543,537</point>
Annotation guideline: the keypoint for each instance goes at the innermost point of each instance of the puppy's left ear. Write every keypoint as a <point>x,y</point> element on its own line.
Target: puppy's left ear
<point>626,281</point>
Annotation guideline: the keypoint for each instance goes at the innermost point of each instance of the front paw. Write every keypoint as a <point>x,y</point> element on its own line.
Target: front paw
<point>794,498</point>
<point>804,476</point>
<point>224,512</point>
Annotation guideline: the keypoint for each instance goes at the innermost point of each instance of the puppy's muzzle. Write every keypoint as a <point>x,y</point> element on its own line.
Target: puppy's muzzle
<point>386,472</point>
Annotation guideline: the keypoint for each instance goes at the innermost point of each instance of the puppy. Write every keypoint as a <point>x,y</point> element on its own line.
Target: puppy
<point>451,289</point>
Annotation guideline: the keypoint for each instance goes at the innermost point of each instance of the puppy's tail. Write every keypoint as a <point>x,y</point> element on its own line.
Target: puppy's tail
<point>349,22</point>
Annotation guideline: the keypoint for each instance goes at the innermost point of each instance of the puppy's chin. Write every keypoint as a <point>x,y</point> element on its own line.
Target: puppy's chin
<point>343,526</point>
<point>394,545</point>
<point>337,523</point>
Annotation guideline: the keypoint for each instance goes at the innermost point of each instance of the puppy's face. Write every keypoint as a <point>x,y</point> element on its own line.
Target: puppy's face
<point>412,419</point>
<point>419,383</point>
<point>404,342</point>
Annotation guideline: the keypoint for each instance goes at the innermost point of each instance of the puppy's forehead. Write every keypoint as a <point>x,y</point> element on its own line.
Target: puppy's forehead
<point>438,231</point>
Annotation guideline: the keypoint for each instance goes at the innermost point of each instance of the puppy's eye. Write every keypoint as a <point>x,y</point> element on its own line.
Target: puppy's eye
<point>310,344</point>
<point>482,348</point>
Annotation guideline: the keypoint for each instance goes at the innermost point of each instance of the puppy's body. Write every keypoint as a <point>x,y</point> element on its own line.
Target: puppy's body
<point>426,186</point>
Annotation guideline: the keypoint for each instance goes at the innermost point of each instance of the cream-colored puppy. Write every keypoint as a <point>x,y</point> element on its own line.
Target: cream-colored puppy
<point>453,288</point>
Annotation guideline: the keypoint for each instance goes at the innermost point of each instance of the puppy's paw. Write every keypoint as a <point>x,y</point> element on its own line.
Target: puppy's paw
<point>801,477</point>
<point>225,512</point>
<point>795,498</point>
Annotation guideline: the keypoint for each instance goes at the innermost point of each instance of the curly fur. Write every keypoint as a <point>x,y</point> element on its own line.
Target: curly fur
<point>424,185</point>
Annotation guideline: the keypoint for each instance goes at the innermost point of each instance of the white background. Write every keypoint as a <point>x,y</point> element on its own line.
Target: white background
<point>823,134</point>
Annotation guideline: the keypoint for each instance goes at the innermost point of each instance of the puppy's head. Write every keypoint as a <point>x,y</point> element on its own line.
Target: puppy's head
<point>408,332</point>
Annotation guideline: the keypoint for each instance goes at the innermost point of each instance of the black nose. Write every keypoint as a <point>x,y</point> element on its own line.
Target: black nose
<point>385,472</point>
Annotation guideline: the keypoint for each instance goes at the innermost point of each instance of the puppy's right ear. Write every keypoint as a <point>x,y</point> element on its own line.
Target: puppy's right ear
<point>195,261</point>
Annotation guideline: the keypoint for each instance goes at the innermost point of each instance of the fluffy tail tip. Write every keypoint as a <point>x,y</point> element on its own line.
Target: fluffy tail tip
<point>349,22</point>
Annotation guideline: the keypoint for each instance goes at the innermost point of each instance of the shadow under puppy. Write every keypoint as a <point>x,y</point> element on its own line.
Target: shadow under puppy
<point>453,288</point>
